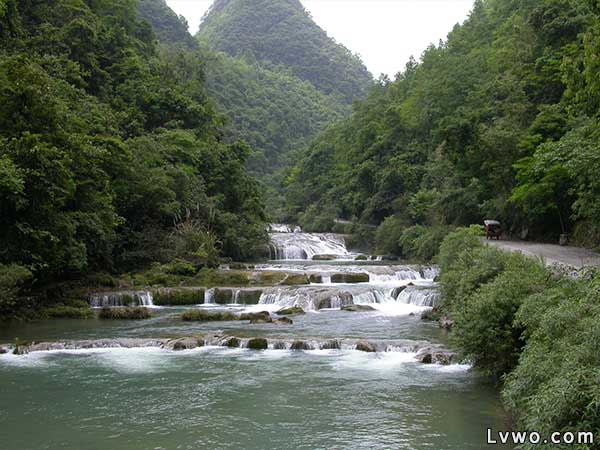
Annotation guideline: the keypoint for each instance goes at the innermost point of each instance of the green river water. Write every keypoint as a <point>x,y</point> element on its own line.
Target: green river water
<point>221,398</point>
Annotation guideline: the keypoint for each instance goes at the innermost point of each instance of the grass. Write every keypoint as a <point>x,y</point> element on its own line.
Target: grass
<point>124,313</point>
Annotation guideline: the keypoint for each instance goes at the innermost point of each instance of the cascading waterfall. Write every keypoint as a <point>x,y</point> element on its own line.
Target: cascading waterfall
<point>419,296</point>
<point>116,299</point>
<point>297,246</point>
<point>209,296</point>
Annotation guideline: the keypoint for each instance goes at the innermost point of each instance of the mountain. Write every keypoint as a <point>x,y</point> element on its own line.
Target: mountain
<point>281,33</point>
<point>267,105</point>
<point>168,26</point>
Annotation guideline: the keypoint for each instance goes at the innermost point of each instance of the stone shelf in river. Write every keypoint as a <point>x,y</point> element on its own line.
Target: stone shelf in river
<point>423,351</point>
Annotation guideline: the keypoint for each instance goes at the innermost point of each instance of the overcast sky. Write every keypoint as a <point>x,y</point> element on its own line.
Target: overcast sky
<point>385,33</point>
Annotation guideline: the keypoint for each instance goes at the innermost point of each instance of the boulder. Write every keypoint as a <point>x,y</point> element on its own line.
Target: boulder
<point>283,321</point>
<point>314,278</point>
<point>3,350</point>
<point>187,343</point>
<point>301,345</point>
<point>258,344</point>
<point>333,344</point>
<point>446,322</point>
<point>389,258</point>
<point>249,296</point>
<point>430,355</point>
<point>324,258</point>
<point>361,258</point>
<point>397,291</point>
<point>350,278</point>
<point>294,279</point>
<point>290,311</point>
<point>256,316</point>
<point>223,296</point>
<point>232,342</point>
<point>364,346</point>
<point>357,308</point>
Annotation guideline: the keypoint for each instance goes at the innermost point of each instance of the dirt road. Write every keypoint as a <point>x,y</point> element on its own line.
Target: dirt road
<point>573,256</point>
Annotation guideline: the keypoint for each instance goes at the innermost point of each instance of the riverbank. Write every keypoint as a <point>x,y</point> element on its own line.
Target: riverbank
<point>531,329</point>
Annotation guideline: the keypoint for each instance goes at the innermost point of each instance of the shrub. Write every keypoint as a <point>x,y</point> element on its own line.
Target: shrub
<point>388,234</point>
<point>200,315</point>
<point>178,297</point>
<point>13,281</point>
<point>555,386</point>
<point>68,312</point>
<point>181,267</point>
<point>422,243</point>
<point>485,329</point>
<point>124,313</point>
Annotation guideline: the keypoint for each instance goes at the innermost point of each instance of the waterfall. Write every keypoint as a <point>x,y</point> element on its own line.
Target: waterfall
<point>115,299</point>
<point>283,228</point>
<point>297,246</point>
<point>419,296</point>
<point>209,296</point>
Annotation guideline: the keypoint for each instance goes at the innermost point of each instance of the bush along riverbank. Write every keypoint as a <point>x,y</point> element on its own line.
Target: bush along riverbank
<point>532,331</point>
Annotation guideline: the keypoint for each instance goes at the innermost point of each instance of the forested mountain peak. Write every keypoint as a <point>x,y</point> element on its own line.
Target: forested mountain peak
<point>282,33</point>
<point>168,26</point>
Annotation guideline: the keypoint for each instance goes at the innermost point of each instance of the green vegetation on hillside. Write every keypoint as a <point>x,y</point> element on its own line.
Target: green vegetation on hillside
<point>499,121</point>
<point>270,107</point>
<point>111,152</point>
<point>535,332</point>
<point>281,34</point>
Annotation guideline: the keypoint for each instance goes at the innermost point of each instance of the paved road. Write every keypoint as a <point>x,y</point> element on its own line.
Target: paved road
<point>573,256</point>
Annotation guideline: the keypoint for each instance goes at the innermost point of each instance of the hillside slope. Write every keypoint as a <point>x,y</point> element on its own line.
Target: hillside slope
<point>270,108</point>
<point>499,121</point>
<point>282,33</point>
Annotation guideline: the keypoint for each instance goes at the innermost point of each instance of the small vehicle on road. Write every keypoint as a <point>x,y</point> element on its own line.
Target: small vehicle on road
<point>493,229</point>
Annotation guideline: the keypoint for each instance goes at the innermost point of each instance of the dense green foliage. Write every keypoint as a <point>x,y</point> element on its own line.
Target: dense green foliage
<point>111,152</point>
<point>273,111</point>
<point>168,26</point>
<point>271,107</point>
<point>281,34</point>
<point>532,330</point>
<point>501,120</point>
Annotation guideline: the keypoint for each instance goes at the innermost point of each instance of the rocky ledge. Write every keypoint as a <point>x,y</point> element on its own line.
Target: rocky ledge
<point>426,352</point>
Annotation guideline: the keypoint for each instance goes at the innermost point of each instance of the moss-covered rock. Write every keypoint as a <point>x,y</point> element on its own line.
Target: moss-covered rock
<point>124,313</point>
<point>267,278</point>
<point>361,258</point>
<point>314,278</point>
<point>357,308</point>
<point>365,346</point>
<point>200,315</point>
<point>333,344</point>
<point>232,342</point>
<point>187,343</point>
<point>324,258</point>
<point>256,317</point>
<point>290,311</point>
<point>350,278</point>
<point>258,344</point>
<point>249,296</point>
<point>294,279</point>
<point>300,345</point>
<point>223,296</point>
<point>178,296</point>
<point>283,321</point>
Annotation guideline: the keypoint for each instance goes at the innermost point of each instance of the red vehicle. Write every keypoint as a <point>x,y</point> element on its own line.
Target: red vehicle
<point>493,229</point>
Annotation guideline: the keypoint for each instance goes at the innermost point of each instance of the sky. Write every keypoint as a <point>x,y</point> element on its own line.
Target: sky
<point>385,33</point>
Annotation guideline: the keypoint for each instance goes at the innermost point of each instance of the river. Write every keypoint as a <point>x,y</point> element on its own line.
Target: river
<point>216,397</point>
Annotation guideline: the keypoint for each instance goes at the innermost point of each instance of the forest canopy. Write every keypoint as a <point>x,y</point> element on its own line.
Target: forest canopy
<point>500,120</point>
<point>112,154</point>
